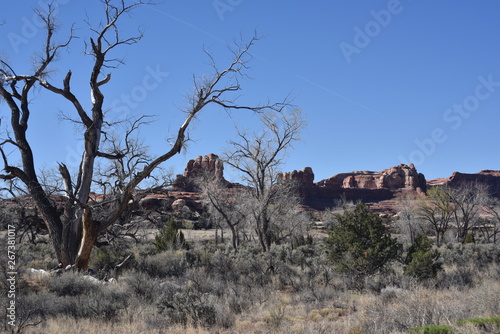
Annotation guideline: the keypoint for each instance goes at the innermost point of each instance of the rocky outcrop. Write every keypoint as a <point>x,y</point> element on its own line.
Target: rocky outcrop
<point>489,177</point>
<point>303,178</point>
<point>367,186</point>
<point>398,177</point>
<point>209,165</point>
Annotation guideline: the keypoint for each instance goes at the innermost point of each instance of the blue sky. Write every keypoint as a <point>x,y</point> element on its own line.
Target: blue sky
<point>380,82</point>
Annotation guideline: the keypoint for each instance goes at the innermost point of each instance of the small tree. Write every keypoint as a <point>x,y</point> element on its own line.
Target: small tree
<point>224,205</point>
<point>422,262</point>
<point>359,244</point>
<point>468,198</point>
<point>408,222</point>
<point>170,237</point>
<point>437,210</point>
<point>490,225</point>
<point>257,157</point>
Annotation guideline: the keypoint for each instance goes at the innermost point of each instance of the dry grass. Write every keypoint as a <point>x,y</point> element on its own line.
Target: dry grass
<point>246,297</point>
<point>284,313</point>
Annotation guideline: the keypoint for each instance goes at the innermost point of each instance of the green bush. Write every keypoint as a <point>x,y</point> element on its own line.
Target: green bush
<point>170,238</point>
<point>359,242</point>
<point>432,329</point>
<point>422,262</point>
<point>469,239</point>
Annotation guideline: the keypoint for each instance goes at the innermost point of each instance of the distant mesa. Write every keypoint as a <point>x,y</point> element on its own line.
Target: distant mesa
<point>379,188</point>
<point>398,177</point>
<point>486,176</point>
<point>358,185</point>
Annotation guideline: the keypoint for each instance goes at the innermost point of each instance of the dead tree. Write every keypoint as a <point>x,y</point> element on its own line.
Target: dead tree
<point>257,157</point>
<point>224,205</point>
<point>468,199</point>
<point>74,231</point>
<point>437,211</point>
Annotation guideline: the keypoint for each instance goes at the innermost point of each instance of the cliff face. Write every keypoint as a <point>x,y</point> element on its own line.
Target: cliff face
<point>489,177</point>
<point>367,186</point>
<point>398,177</point>
<point>209,164</point>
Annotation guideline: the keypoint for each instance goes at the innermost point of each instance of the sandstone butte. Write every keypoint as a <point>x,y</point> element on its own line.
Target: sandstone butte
<point>380,189</point>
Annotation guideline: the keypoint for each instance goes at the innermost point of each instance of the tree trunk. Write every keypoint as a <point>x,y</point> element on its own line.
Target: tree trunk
<point>88,239</point>
<point>234,237</point>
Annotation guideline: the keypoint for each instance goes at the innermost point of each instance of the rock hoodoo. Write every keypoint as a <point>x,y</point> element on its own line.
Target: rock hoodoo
<point>304,177</point>
<point>209,164</point>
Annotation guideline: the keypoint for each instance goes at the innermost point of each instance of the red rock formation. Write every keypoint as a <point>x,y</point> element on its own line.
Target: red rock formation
<point>487,176</point>
<point>397,177</point>
<point>304,177</point>
<point>209,164</point>
<point>359,185</point>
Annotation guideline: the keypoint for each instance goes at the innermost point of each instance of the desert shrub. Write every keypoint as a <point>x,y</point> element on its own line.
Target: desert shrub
<point>206,284</point>
<point>481,256</point>
<point>170,237</point>
<point>422,262</point>
<point>188,306</point>
<point>106,258</point>
<point>143,286</point>
<point>432,329</point>
<point>81,301</point>
<point>32,309</point>
<point>239,299</point>
<point>38,256</point>
<point>358,244</point>
<point>221,263</point>
<point>103,304</point>
<point>70,284</point>
<point>276,314</point>
<point>168,263</point>
<point>461,277</point>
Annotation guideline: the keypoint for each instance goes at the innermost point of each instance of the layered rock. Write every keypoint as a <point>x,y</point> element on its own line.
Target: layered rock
<point>358,185</point>
<point>489,177</point>
<point>209,165</point>
<point>303,178</point>
<point>398,177</point>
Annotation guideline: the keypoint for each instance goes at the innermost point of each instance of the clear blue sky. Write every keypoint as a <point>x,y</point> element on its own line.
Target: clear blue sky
<point>380,82</point>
